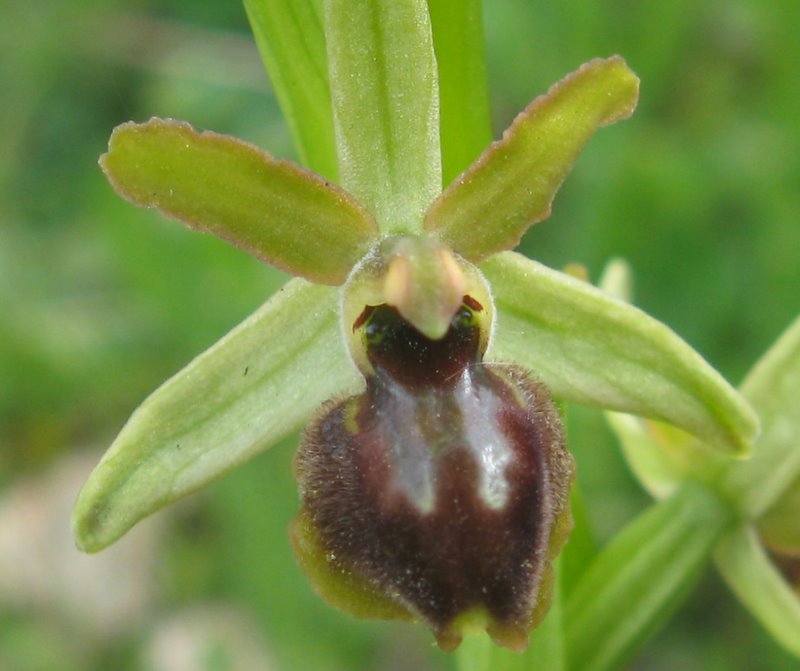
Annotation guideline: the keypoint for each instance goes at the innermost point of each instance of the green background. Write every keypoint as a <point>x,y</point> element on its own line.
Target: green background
<point>99,301</point>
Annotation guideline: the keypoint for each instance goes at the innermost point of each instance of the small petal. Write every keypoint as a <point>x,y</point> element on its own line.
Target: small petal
<point>590,348</point>
<point>511,186</point>
<point>753,577</point>
<point>617,280</point>
<point>284,215</point>
<point>258,384</point>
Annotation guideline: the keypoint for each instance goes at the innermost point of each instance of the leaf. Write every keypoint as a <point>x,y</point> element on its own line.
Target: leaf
<point>590,348</point>
<point>747,569</point>
<point>291,40</point>
<point>273,209</point>
<point>773,388</point>
<point>465,122</point>
<point>512,185</point>
<point>640,578</point>
<point>386,107</point>
<point>258,384</point>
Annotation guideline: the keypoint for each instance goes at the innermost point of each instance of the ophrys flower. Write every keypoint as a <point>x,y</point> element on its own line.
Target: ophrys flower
<point>489,338</point>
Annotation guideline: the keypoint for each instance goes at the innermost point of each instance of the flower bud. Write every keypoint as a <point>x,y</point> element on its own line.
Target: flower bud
<point>441,492</point>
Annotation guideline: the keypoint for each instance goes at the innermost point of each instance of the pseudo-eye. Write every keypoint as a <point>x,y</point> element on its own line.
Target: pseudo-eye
<point>441,492</point>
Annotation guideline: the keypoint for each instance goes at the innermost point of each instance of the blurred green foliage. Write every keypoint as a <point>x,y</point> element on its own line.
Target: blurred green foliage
<point>101,302</point>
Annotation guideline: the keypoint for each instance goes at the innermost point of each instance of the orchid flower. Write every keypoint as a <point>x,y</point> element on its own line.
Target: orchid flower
<point>420,352</point>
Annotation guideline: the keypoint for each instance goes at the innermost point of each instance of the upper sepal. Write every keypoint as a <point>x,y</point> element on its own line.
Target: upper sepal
<point>385,96</point>
<point>277,211</point>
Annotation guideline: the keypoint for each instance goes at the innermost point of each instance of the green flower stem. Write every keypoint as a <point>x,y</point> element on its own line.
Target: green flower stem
<point>255,386</point>
<point>463,90</point>
<point>290,38</point>
<point>386,107</point>
<point>478,653</point>
<point>639,579</point>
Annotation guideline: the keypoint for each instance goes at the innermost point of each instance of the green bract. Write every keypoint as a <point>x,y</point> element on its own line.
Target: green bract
<point>388,235</point>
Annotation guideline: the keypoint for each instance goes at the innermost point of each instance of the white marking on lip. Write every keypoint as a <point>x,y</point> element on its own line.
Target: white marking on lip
<point>486,441</point>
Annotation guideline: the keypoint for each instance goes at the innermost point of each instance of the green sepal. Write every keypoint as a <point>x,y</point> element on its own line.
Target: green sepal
<point>386,107</point>
<point>640,578</point>
<point>291,41</point>
<point>277,211</point>
<point>513,183</point>
<point>753,577</point>
<point>258,384</point>
<point>591,348</point>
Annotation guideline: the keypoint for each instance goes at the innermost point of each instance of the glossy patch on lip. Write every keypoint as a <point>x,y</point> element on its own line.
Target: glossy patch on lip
<point>440,487</point>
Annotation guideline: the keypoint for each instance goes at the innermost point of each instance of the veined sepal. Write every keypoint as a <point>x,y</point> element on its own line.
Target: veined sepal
<point>257,385</point>
<point>591,348</point>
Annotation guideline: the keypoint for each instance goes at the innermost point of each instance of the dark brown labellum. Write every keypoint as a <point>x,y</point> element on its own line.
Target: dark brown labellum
<point>440,493</point>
